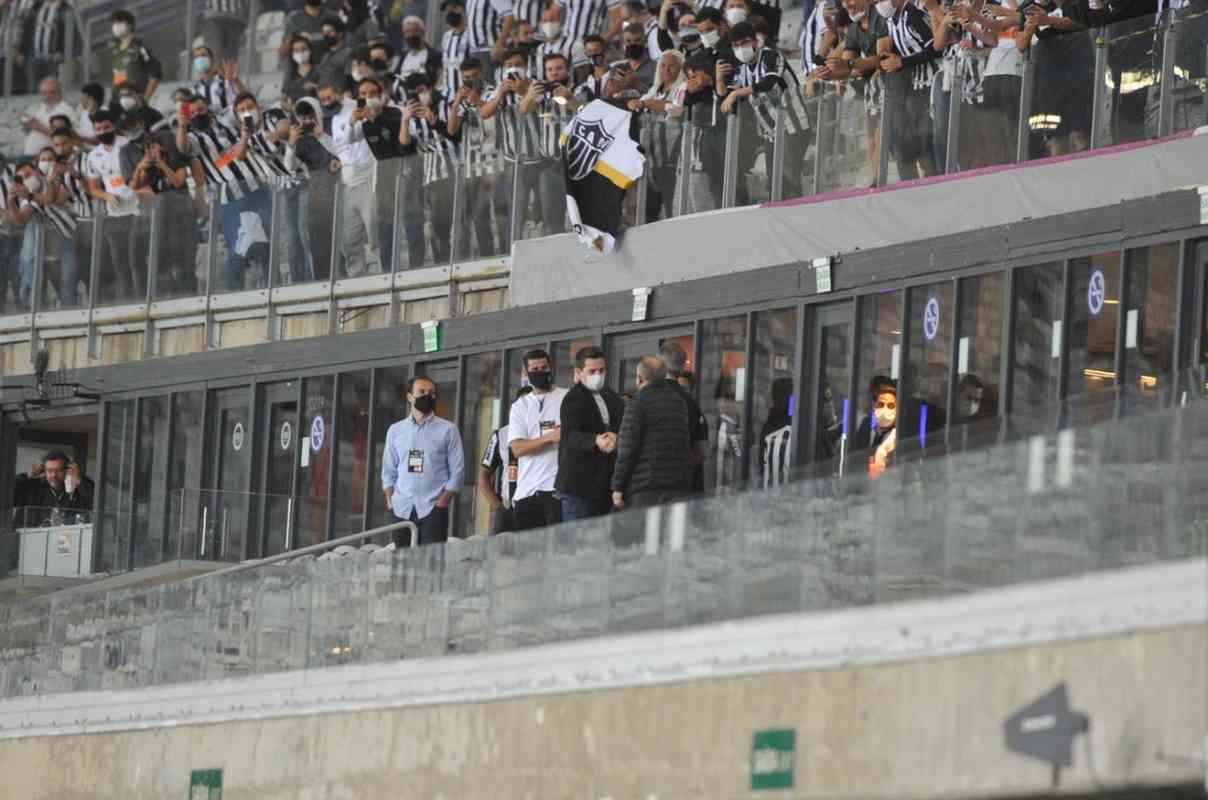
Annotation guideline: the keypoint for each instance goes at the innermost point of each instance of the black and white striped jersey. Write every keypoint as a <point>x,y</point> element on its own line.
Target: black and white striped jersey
<point>545,50</point>
<point>77,185</point>
<point>235,9</point>
<point>454,47</point>
<point>218,92</point>
<point>432,141</point>
<point>477,135</point>
<point>581,17</point>
<point>269,154</point>
<point>592,88</point>
<point>775,88</point>
<point>214,148</point>
<point>529,11</point>
<point>49,29</point>
<point>484,19</point>
<point>58,217</point>
<point>813,30</point>
<point>910,30</point>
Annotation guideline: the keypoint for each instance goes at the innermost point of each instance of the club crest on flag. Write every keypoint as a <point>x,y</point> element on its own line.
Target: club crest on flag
<point>586,141</point>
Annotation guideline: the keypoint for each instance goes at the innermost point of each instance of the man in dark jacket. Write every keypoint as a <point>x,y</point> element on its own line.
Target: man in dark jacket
<point>591,418</point>
<point>52,487</point>
<point>654,450</point>
<point>676,361</point>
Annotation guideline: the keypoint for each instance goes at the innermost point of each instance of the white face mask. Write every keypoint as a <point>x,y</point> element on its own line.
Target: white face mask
<point>885,8</point>
<point>47,167</point>
<point>550,30</point>
<point>301,56</point>
<point>736,15</point>
<point>201,65</point>
<point>373,102</point>
<point>745,54</point>
<point>358,75</point>
<point>120,29</point>
<point>859,15</point>
<point>34,184</point>
<point>594,382</point>
<point>513,72</point>
<point>425,98</point>
<point>128,103</point>
<point>886,417</point>
<point>710,39</point>
<point>69,483</point>
<point>974,406</point>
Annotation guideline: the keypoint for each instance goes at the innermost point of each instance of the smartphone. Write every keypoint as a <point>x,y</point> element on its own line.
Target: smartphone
<point>248,119</point>
<point>360,102</point>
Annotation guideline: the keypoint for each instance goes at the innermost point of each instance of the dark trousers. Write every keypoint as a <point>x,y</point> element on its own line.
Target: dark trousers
<point>656,497</point>
<point>118,268</point>
<point>575,507</point>
<point>537,511</point>
<point>433,528</point>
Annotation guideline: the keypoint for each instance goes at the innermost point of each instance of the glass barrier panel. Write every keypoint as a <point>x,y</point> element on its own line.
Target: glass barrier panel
<point>754,156</point>
<point>240,248</point>
<point>1059,118</point>
<point>484,190</point>
<point>1133,80</point>
<point>427,210</point>
<point>121,259</point>
<point>179,222</point>
<point>849,126</point>
<point>907,129</point>
<point>66,255</point>
<point>1189,86</point>
<point>788,121</point>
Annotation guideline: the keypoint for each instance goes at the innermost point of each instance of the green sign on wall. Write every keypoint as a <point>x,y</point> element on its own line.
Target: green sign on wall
<point>205,784</point>
<point>772,755</point>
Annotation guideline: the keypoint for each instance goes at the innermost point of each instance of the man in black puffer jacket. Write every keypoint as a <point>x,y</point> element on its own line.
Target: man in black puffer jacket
<point>654,450</point>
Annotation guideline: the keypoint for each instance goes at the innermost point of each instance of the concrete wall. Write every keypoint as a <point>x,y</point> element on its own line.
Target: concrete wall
<point>927,728</point>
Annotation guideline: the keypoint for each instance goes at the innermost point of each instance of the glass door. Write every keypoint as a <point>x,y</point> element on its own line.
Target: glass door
<point>276,513</point>
<point>626,349</point>
<point>445,375</point>
<point>227,510</point>
<point>829,348</point>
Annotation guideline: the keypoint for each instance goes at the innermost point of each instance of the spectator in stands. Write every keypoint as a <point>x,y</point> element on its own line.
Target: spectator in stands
<point>675,362</point>
<point>774,436</point>
<point>455,45</point>
<point>41,206</point>
<point>418,54</point>
<point>545,105</point>
<point>590,419</point>
<point>129,59</point>
<point>92,98</point>
<point>909,61</point>
<point>878,431</point>
<point>305,23</point>
<point>217,81</point>
<point>163,171</point>
<point>304,156</point>
<point>1057,96</point>
<point>130,98</point>
<point>639,72</point>
<point>654,450</point>
<point>972,404</point>
<point>224,23</point>
<point>49,485</point>
<point>425,131</point>
<point>480,165</point>
<point>301,68</point>
<point>335,67</point>
<point>497,477</point>
<point>533,435</point>
<point>489,24</point>
<point>107,184</point>
<point>663,144</point>
<point>518,152</point>
<point>10,238</point>
<point>37,122</point>
<point>594,86</point>
<point>581,17</point>
<point>359,212</point>
<point>423,466</point>
<point>703,104</point>
<point>46,34</point>
<point>71,168</point>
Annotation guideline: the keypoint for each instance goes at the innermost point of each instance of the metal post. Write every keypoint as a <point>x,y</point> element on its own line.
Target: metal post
<point>8,72</point>
<point>157,208</point>
<point>1026,87</point>
<point>289,524</point>
<point>189,33</point>
<point>517,217</point>
<point>1170,46</point>
<point>38,279</point>
<point>642,187</point>
<point>455,226</point>
<point>819,137</point>
<point>883,135</point>
<point>956,98</point>
<point>205,524</point>
<point>683,175</point>
<point>777,165</point>
<point>253,14</point>
<point>1099,102</point>
<point>730,178</point>
<point>211,332</point>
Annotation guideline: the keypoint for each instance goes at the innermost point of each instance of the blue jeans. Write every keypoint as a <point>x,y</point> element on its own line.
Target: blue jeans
<point>575,507</point>
<point>29,259</point>
<point>297,212</point>
<point>68,272</point>
<point>260,203</point>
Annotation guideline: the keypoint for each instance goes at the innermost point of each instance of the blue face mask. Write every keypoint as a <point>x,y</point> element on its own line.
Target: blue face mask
<point>201,65</point>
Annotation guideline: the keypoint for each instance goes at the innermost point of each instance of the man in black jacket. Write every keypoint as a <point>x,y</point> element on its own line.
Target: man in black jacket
<point>51,487</point>
<point>654,450</point>
<point>591,417</point>
<point>676,362</point>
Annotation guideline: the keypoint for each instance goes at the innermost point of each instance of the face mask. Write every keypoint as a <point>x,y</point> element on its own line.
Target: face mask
<point>540,379</point>
<point>301,56</point>
<point>710,39</point>
<point>598,60</point>
<point>425,98</point>
<point>331,108</point>
<point>359,75</point>
<point>424,404</point>
<point>373,102</point>
<point>859,15</point>
<point>128,102</point>
<point>47,167</point>
<point>34,184</point>
<point>106,138</point>
<point>594,382</point>
<point>736,15</point>
<point>886,417</point>
<point>634,51</point>
<point>332,41</point>
<point>745,54</point>
<point>550,30</point>
<point>201,65</point>
<point>973,406</point>
<point>513,72</point>
<point>885,8</point>
<point>453,18</point>
<point>379,65</point>
<point>69,483</point>
<point>120,29</point>
<point>414,42</point>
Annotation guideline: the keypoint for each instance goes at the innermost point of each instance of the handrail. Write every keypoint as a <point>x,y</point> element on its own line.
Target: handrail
<point>314,548</point>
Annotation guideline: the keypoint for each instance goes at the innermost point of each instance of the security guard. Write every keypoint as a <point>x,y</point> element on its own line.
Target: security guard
<point>129,59</point>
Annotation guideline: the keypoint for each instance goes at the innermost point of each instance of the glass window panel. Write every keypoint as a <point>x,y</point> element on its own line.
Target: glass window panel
<point>564,359</point>
<point>723,386</point>
<point>317,412</point>
<point>150,481</point>
<point>1038,324</point>
<point>979,349</point>
<point>185,466</point>
<point>1094,314</point>
<point>353,457</point>
<point>481,415</point>
<point>229,508</point>
<point>773,398</point>
<point>931,326</point>
<point>1153,281</point>
<point>834,416</point>
<point>120,447</point>
<point>880,321</point>
<point>389,406</point>
<point>281,433</point>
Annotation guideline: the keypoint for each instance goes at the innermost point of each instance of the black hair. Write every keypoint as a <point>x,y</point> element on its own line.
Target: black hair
<point>515,52</point>
<point>585,353</point>
<point>471,62</point>
<point>95,91</point>
<point>708,15</point>
<point>299,39</point>
<point>971,381</point>
<point>743,30</point>
<point>334,22</point>
<point>591,37</point>
<point>635,5</point>
<point>122,15</point>
<point>880,384</point>
<point>132,86</point>
<point>414,378</point>
<point>361,54</point>
<point>634,28</point>
<point>101,115</point>
<point>244,96</point>
<point>209,52</point>
<point>555,57</point>
<point>416,80</point>
<point>536,355</point>
<point>62,132</point>
<point>372,80</point>
<point>57,455</point>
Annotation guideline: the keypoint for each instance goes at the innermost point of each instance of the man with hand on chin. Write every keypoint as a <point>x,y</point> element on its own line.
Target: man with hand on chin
<point>423,466</point>
<point>591,417</point>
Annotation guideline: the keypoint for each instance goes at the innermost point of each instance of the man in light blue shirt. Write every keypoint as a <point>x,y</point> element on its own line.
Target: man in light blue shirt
<point>423,466</point>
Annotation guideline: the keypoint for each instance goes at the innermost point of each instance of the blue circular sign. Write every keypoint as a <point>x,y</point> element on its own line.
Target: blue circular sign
<point>931,319</point>
<point>1096,291</point>
<point>317,431</point>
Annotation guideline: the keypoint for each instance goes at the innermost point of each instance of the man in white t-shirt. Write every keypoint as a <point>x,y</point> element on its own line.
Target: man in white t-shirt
<point>358,203</point>
<point>534,430</point>
<point>107,184</point>
<point>37,121</point>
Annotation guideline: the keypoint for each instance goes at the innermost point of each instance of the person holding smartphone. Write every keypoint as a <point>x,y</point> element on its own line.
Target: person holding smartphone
<point>425,132</point>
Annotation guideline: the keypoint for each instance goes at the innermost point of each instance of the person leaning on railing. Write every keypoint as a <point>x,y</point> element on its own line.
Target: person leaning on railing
<point>55,482</point>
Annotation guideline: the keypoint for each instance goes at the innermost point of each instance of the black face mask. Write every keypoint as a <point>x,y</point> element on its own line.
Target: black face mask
<point>541,379</point>
<point>108,137</point>
<point>634,51</point>
<point>200,123</point>
<point>424,404</point>
<point>527,46</point>
<point>332,41</point>
<point>598,60</point>
<point>453,18</point>
<point>414,42</point>
<point>331,108</point>
<point>379,65</point>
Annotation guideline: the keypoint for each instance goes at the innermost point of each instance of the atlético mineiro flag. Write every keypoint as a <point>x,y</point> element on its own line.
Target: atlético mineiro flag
<point>602,159</point>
